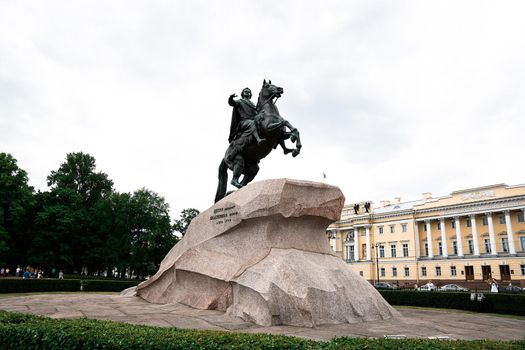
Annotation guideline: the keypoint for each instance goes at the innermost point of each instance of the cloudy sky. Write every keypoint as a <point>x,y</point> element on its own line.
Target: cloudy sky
<point>392,98</point>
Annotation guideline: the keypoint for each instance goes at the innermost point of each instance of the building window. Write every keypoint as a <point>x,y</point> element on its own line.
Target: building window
<point>505,244</point>
<point>407,272</point>
<point>455,247</point>
<point>485,221</point>
<point>393,250</point>
<point>438,270</point>
<point>382,272</point>
<point>487,245</point>
<point>380,230</point>
<point>361,273</point>
<point>438,226</point>
<point>453,223</point>
<point>522,270</point>
<point>522,243</point>
<point>440,248</point>
<point>381,251</point>
<point>349,253</point>
<point>404,227</point>
<point>405,249</point>
<point>392,229</point>
<point>425,227</point>
<point>470,246</point>
<point>363,249</point>
<point>501,218</point>
<point>423,271</point>
<point>426,249</point>
<point>394,271</point>
<point>520,217</point>
<point>469,222</point>
<point>453,271</point>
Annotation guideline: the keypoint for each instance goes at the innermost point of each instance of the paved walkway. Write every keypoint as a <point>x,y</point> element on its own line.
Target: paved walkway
<point>415,323</point>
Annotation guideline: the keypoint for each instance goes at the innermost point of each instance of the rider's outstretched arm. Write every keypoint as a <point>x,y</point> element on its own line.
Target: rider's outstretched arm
<point>232,102</point>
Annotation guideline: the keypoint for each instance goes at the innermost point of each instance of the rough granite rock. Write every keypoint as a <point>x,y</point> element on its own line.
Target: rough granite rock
<point>261,253</point>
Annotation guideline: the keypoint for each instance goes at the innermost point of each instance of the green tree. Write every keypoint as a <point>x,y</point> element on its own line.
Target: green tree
<point>67,216</point>
<point>151,232</point>
<point>111,243</point>
<point>56,227</point>
<point>186,215</point>
<point>16,200</point>
<point>78,174</point>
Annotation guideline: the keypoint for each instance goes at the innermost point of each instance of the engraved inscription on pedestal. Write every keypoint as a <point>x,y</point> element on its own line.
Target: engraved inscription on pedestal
<point>224,215</point>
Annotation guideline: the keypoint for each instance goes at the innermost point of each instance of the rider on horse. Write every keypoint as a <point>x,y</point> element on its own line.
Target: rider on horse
<point>243,115</point>
<point>246,147</point>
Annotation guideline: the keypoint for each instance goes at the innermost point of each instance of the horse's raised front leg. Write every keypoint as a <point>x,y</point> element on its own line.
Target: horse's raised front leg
<point>298,144</point>
<point>286,150</point>
<point>294,137</point>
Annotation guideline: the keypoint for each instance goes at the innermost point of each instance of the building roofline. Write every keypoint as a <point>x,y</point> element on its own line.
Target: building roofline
<point>480,188</point>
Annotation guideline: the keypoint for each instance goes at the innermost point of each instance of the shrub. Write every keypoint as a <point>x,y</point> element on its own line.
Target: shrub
<point>100,278</point>
<point>107,286</point>
<point>513,304</point>
<point>19,331</point>
<point>19,285</point>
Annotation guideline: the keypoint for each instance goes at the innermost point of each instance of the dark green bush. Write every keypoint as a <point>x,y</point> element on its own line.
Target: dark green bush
<point>513,304</point>
<point>107,285</point>
<point>19,285</point>
<point>19,331</point>
<point>99,278</point>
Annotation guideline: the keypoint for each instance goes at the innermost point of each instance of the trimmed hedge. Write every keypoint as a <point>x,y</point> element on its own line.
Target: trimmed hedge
<point>20,331</point>
<point>19,285</point>
<point>512,304</point>
<point>107,286</point>
<point>68,276</point>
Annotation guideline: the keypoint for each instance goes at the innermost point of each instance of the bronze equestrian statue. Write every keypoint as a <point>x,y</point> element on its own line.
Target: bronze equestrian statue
<point>254,133</point>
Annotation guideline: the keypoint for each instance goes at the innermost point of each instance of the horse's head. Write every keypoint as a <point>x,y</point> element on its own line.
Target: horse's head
<point>269,90</point>
<point>266,96</point>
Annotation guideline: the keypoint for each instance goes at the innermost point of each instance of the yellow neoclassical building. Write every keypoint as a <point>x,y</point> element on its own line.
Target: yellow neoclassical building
<point>466,238</point>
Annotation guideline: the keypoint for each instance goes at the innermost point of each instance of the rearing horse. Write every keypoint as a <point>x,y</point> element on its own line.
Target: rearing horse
<point>243,153</point>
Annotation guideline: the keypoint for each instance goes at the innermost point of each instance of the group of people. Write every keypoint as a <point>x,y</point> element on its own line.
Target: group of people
<point>29,272</point>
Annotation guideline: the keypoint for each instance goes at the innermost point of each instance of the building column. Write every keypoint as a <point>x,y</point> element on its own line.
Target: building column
<point>458,237</point>
<point>474,234</point>
<point>418,247</point>
<point>356,244</point>
<point>368,245</point>
<point>492,237</point>
<point>510,233</point>
<point>429,239</point>
<point>443,238</point>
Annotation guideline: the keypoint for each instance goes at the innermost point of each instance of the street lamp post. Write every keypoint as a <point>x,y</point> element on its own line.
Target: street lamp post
<point>377,260</point>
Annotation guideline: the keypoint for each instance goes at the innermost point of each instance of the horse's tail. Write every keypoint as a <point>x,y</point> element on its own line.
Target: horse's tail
<point>223,181</point>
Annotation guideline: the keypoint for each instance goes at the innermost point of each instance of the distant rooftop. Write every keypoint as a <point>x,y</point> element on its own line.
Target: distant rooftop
<point>398,206</point>
<point>482,188</point>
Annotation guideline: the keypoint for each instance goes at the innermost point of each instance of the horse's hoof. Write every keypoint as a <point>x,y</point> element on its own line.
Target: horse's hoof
<point>295,153</point>
<point>236,184</point>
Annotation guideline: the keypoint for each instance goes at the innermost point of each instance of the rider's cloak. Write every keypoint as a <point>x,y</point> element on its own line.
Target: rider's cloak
<point>242,110</point>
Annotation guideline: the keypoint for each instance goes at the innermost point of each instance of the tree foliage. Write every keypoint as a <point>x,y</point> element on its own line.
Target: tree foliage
<point>78,174</point>
<point>81,223</point>
<point>186,215</point>
<point>15,205</point>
